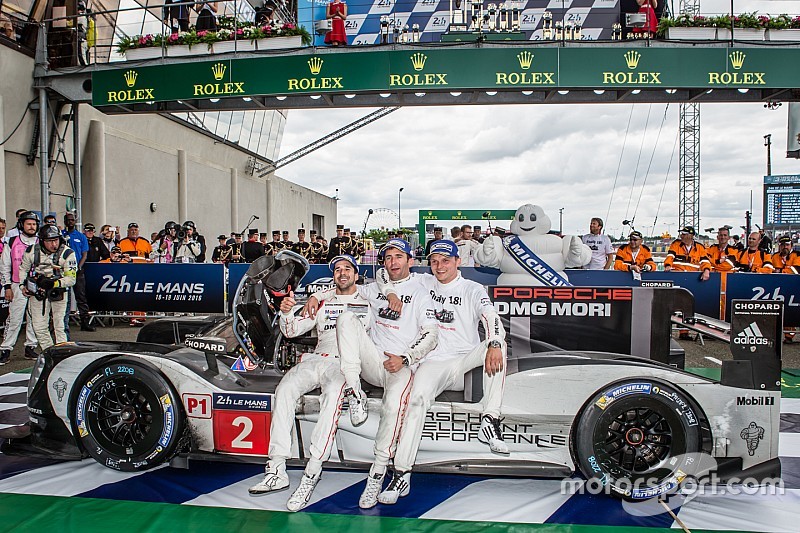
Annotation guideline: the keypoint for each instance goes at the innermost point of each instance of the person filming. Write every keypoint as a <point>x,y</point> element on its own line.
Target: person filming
<point>48,269</point>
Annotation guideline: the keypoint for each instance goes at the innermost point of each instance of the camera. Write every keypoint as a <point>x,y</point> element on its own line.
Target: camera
<point>181,234</point>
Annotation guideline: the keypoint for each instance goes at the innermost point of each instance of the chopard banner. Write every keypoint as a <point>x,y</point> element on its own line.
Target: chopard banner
<point>509,66</point>
<point>182,288</point>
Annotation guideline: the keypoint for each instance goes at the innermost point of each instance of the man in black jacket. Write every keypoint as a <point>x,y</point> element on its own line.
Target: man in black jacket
<point>97,248</point>
<point>252,249</point>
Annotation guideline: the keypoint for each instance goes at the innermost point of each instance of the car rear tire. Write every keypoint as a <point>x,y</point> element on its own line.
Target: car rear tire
<point>638,438</point>
<point>127,415</point>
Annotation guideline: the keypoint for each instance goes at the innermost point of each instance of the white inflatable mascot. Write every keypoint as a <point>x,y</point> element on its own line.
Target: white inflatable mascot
<point>531,256</point>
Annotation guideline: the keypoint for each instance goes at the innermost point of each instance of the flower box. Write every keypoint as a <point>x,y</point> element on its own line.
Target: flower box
<point>200,49</point>
<point>747,34</point>
<point>691,34</point>
<point>241,45</point>
<point>276,43</point>
<point>784,35</point>
<point>149,52</point>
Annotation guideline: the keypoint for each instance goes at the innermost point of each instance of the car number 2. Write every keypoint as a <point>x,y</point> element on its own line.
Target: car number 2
<point>241,432</point>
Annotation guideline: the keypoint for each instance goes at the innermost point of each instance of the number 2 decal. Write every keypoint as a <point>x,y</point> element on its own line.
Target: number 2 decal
<point>247,427</point>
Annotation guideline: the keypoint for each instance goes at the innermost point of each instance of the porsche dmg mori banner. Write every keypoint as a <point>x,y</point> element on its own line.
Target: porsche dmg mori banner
<point>176,288</point>
<point>572,318</point>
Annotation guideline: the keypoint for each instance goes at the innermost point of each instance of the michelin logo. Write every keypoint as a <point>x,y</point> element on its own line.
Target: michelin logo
<point>623,390</point>
<point>752,336</point>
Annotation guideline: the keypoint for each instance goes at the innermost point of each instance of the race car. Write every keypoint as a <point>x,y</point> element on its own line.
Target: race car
<point>632,425</point>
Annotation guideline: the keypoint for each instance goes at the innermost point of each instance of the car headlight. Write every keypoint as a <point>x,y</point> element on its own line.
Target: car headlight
<point>36,373</point>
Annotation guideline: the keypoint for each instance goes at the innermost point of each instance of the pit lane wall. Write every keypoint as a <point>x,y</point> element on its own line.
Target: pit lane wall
<point>204,288</point>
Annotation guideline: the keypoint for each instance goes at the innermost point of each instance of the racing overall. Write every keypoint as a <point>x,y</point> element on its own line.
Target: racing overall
<point>10,273</point>
<point>754,261</point>
<point>61,266</point>
<point>459,306</point>
<point>411,334</point>
<point>625,259</point>
<point>787,265</point>
<point>680,259</point>
<point>319,368</point>
<point>722,260</point>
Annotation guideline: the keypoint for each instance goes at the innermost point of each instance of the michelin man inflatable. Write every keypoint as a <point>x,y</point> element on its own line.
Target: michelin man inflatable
<point>531,256</point>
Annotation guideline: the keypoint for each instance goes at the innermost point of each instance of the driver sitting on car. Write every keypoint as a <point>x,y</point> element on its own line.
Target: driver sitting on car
<point>319,368</point>
<point>460,304</point>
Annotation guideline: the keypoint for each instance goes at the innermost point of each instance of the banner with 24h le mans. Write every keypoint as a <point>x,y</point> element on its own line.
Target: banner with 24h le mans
<point>198,288</point>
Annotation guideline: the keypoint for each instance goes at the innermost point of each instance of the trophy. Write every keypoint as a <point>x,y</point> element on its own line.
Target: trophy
<point>547,26</point>
<point>577,31</point>
<point>405,36</point>
<point>384,29</point>
<point>476,8</point>
<point>503,17</point>
<point>568,31</point>
<point>616,32</point>
<point>559,31</point>
<point>415,33</point>
<point>515,17</point>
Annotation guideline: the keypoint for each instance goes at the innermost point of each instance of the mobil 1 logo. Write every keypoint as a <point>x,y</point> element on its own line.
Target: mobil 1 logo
<point>756,333</point>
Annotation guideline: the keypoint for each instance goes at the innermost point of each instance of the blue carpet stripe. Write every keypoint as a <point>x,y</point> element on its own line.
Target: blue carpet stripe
<point>603,510</point>
<point>176,485</point>
<point>427,491</point>
<point>12,465</point>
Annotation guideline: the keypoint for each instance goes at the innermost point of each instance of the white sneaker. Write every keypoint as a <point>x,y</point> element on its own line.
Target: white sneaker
<point>399,486</point>
<point>274,480</point>
<point>357,405</point>
<point>491,434</point>
<point>369,498</point>
<point>300,498</point>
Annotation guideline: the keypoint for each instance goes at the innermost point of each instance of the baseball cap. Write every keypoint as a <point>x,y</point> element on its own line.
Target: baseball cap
<point>88,227</point>
<point>443,247</point>
<point>785,239</point>
<point>636,234</point>
<point>116,250</point>
<point>133,225</point>
<point>687,229</point>
<point>344,257</point>
<point>401,244</point>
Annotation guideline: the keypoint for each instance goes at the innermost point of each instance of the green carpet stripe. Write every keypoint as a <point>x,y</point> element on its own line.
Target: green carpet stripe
<point>20,512</point>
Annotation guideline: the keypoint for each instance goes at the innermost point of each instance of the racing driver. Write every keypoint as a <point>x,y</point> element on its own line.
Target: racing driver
<point>383,357</point>
<point>460,304</point>
<point>319,368</point>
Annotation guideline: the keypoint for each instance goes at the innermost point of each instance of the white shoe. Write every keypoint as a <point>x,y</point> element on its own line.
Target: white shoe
<point>274,480</point>
<point>357,405</point>
<point>399,486</point>
<point>300,498</point>
<point>369,498</point>
<point>491,434</point>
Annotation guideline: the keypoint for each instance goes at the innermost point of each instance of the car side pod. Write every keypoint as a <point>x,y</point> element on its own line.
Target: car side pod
<point>211,347</point>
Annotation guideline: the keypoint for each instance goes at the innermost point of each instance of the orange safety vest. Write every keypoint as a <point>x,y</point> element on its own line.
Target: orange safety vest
<point>722,260</point>
<point>757,261</point>
<point>680,260</point>
<point>791,265</point>
<point>625,260</point>
<point>141,247</point>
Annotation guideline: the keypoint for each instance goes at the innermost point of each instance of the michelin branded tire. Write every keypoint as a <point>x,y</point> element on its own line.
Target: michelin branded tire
<point>637,439</point>
<point>126,415</point>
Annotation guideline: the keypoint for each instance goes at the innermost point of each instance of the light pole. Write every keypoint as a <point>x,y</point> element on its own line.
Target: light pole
<point>561,221</point>
<point>768,144</point>
<point>399,223</point>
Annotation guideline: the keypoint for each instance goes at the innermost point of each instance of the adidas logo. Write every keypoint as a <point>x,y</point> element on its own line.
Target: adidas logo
<point>751,336</point>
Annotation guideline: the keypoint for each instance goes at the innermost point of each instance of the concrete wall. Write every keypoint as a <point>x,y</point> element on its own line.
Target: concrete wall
<point>132,161</point>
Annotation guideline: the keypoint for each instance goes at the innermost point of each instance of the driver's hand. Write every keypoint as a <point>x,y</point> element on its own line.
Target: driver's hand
<point>706,275</point>
<point>395,304</point>
<point>393,363</point>
<point>494,361</point>
<point>311,307</point>
<point>9,295</point>
<point>288,303</point>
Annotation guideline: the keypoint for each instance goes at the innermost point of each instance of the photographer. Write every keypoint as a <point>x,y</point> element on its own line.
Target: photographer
<point>48,269</point>
<point>187,249</point>
<point>167,243</point>
<point>191,229</point>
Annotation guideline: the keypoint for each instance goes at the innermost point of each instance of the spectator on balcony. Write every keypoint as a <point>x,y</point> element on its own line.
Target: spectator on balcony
<point>6,28</point>
<point>264,13</point>
<point>206,16</point>
<point>336,12</point>
<point>176,15</point>
<point>648,9</point>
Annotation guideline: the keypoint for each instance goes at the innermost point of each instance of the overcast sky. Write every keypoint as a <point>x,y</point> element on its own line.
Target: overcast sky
<point>557,156</point>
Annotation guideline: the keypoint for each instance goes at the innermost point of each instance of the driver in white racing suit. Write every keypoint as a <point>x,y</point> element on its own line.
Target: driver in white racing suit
<point>460,305</point>
<point>319,368</point>
<point>383,357</point>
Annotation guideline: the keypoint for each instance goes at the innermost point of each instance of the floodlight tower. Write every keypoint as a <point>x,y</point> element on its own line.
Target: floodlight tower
<point>689,170</point>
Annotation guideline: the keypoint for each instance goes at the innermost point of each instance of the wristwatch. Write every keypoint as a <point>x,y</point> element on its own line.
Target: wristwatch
<point>405,360</point>
<point>495,344</point>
